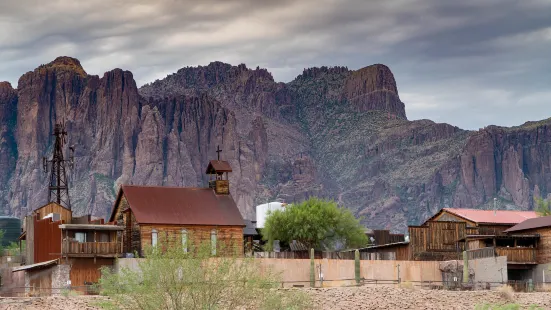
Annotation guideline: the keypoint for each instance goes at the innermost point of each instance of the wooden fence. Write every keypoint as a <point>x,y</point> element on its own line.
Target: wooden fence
<point>348,255</point>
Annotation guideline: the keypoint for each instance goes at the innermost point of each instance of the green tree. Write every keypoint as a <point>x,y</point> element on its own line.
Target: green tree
<point>316,223</point>
<point>543,206</point>
<point>168,277</point>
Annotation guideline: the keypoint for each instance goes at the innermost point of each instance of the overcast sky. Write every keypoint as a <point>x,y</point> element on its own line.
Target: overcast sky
<point>469,63</point>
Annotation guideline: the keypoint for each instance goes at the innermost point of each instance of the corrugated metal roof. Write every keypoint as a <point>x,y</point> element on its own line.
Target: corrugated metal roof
<point>37,265</point>
<point>493,217</point>
<point>181,206</point>
<point>538,222</point>
<point>218,166</point>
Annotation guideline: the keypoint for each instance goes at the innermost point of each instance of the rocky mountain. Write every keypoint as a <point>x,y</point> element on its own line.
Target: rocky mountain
<point>331,132</point>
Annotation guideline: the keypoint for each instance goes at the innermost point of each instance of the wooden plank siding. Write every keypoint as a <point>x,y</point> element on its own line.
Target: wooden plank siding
<point>229,238</point>
<point>449,217</point>
<point>86,270</point>
<point>47,240</point>
<point>517,255</point>
<point>484,229</point>
<point>443,236</point>
<point>52,207</point>
<point>399,251</point>
<point>418,239</point>
<point>543,250</point>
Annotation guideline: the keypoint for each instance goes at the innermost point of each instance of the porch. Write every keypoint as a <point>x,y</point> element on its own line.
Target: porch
<point>88,240</point>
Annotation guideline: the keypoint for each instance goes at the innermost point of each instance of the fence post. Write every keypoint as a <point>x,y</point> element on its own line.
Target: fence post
<point>312,269</point>
<point>357,266</point>
<point>465,267</point>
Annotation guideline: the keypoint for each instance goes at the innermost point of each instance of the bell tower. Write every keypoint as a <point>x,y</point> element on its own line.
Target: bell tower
<point>218,174</point>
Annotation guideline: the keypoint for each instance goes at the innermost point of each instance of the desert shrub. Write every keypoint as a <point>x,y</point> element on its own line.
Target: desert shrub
<point>406,285</point>
<point>173,278</point>
<point>506,292</point>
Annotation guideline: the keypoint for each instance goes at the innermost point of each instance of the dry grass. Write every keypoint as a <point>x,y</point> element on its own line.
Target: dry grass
<point>406,285</point>
<point>506,292</point>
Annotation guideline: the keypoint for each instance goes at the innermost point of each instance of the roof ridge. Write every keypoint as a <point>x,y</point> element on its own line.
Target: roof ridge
<point>168,187</point>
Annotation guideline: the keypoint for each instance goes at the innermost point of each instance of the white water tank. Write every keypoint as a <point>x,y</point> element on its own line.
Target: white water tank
<point>262,211</point>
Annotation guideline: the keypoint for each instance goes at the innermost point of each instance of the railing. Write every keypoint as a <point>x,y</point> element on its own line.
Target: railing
<point>481,253</point>
<point>518,255</point>
<point>102,248</point>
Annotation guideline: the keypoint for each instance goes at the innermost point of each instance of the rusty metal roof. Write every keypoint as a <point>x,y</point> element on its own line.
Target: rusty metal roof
<point>218,166</point>
<point>181,206</point>
<point>538,222</point>
<point>491,216</point>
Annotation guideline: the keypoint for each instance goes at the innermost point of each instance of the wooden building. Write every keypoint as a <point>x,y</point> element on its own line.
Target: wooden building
<point>540,227</point>
<point>65,250</point>
<point>182,216</point>
<point>446,234</point>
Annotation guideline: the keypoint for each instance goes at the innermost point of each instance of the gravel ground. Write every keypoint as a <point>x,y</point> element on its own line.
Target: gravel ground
<point>370,298</point>
<point>349,298</point>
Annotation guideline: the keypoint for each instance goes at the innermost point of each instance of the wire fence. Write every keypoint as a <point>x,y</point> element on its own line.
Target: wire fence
<point>520,286</point>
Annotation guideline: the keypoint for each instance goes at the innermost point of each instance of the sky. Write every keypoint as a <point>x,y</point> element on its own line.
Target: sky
<point>469,63</point>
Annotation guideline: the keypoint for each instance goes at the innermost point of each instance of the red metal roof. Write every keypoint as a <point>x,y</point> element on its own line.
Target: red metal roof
<point>218,166</point>
<point>538,222</point>
<point>493,217</point>
<point>181,206</point>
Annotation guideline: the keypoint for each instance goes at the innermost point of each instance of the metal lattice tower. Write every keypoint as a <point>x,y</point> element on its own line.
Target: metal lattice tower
<point>58,190</point>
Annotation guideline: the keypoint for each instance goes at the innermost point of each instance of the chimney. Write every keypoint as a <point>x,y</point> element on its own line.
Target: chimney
<point>495,206</point>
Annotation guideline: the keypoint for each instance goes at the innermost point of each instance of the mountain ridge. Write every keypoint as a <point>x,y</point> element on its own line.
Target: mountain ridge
<point>332,132</point>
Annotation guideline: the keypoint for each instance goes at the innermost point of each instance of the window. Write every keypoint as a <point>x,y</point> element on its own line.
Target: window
<point>80,236</point>
<point>154,237</point>
<point>213,242</point>
<point>184,240</point>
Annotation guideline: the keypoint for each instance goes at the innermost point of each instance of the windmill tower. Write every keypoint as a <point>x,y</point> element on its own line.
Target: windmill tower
<point>58,190</point>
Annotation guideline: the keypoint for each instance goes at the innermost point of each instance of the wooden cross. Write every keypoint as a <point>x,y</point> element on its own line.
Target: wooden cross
<point>218,150</point>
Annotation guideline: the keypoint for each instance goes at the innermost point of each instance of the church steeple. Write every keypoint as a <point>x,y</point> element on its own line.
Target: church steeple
<point>218,174</point>
<point>58,189</point>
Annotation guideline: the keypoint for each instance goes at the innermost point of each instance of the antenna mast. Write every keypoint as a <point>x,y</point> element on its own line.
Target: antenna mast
<point>58,190</point>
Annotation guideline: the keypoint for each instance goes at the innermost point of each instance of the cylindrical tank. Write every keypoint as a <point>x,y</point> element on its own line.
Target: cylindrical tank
<point>262,212</point>
<point>11,227</point>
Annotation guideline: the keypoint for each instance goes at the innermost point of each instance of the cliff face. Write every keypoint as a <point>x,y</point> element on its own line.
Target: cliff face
<point>331,132</point>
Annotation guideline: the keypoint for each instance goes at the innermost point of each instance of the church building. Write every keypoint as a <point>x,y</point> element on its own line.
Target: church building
<point>185,216</point>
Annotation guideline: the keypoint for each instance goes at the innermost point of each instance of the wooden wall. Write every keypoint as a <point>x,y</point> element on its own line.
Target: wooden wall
<point>492,229</point>
<point>47,240</point>
<point>402,251</point>
<point>543,251</point>
<point>418,239</point>
<point>385,237</point>
<point>52,207</point>
<point>449,217</point>
<point>229,238</point>
<point>85,270</point>
<point>475,244</point>
<point>444,235</point>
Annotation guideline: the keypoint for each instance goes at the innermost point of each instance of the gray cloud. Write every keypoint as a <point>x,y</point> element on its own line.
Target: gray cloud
<point>469,63</point>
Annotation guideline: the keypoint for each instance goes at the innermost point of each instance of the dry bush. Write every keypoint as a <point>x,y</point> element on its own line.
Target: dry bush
<point>406,285</point>
<point>174,279</point>
<point>506,292</point>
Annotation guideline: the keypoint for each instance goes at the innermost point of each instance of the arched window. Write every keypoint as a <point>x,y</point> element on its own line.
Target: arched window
<point>184,240</point>
<point>213,241</point>
<point>154,237</point>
